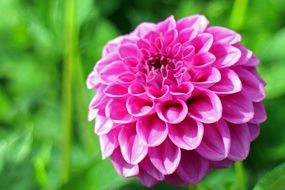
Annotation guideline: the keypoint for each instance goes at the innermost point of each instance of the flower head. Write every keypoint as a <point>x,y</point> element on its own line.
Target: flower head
<point>175,100</point>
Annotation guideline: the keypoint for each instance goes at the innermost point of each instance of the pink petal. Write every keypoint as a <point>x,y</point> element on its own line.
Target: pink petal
<point>136,89</point>
<point>182,91</point>
<point>138,107</point>
<point>175,179</point>
<point>131,145</point>
<point>131,62</point>
<point>223,35</point>
<point>169,37</point>
<point>166,25</point>
<point>187,34</point>
<point>192,168</point>
<point>173,111</point>
<point>221,164</point>
<point>110,73</point>
<point>143,29</point>
<point>237,108</point>
<point>229,84</point>
<point>197,22</point>
<point>202,42</point>
<point>216,142</point>
<point>165,157</point>
<point>151,130</point>
<point>205,106</point>
<point>158,93</point>
<point>109,142</point>
<point>126,78</point>
<point>128,50</point>
<point>251,84</point>
<point>259,113</point>
<point>116,90</point>
<point>103,124</point>
<point>146,179</point>
<point>203,60</point>
<point>206,78</point>
<point>122,167</point>
<point>117,112</point>
<point>149,168</point>
<point>226,55</point>
<point>254,130</point>
<point>240,142</point>
<point>186,135</point>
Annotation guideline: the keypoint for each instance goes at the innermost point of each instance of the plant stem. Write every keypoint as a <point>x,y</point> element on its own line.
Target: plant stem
<point>238,14</point>
<point>240,175</point>
<point>69,61</point>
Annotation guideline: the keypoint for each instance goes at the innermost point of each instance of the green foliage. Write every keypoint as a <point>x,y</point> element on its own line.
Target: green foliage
<point>32,55</point>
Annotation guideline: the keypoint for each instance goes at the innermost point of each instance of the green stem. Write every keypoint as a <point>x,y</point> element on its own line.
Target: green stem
<point>238,14</point>
<point>240,175</point>
<point>69,61</point>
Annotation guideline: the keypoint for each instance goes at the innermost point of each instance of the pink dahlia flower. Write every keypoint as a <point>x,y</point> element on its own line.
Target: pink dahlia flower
<point>175,100</point>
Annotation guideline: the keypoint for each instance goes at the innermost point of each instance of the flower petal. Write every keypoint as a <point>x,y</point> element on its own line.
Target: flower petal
<point>192,168</point>
<point>204,106</point>
<point>216,142</point>
<point>128,50</point>
<point>237,108</point>
<point>103,125</point>
<point>149,168</point>
<point>223,35</point>
<point>254,130</point>
<point>225,54</point>
<point>138,107</point>
<point>110,73</point>
<point>186,135</point>
<point>202,42</point>
<point>206,78</point>
<point>146,179</point>
<point>251,84</point>
<point>165,157</point>
<point>116,90</point>
<point>240,142</point>
<point>131,145</point>
<point>109,142</point>
<point>198,22</point>
<point>117,112</point>
<point>259,113</point>
<point>151,130</point>
<point>229,83</point>
<point>173,111</point>
<point>121,166</point>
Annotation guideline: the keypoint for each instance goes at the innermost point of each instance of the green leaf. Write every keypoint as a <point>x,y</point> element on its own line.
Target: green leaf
<point>273,180</point>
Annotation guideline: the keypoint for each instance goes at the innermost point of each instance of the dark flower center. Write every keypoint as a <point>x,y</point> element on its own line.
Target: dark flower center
<point>157,62</point>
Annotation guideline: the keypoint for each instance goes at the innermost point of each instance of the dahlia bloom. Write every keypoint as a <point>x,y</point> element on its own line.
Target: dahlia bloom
<point>175,100</point>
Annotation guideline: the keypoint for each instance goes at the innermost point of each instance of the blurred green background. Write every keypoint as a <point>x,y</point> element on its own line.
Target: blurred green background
<point>47,48</point>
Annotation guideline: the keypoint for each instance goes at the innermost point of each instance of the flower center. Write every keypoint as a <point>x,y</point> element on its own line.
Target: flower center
<point>157,62</point>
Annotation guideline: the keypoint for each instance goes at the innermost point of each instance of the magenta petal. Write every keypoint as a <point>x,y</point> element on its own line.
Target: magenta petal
<point>138,107</point>
<point>182,91</point>
<point>131,145</point>
<point>175,179</point>
<point>192,168</point>
<point>117,115</point>
<point>216,142</point>
<point>143,29</point>
<point>186,135</point>
<point>173,111</point>
<point>165,157</point>
<point>186,35</point>
<point>103,125</point>
<point>205,106</point>
<point>158,93</point>
<point>146,179</point>
<point>229,84</point>
<point>237,108</point>
<point>110,73</point>
<point>203,60</point>
<point>109,142</point>
<point>259,113</point>
<point>254,130</point>
<point>240,142</point>
<point>136,89</point>
<point>251,84</point>
<point>226,55</point>
<point>223,35</point>
<point>202,42</point>
<point>128,50</point>
<point>116,90</point>
<point>151,130</point>
<point>198,22</point>
<point>149,168</point>
<point>122,167</point>
<point>221,164</point>
<point>207,78</point>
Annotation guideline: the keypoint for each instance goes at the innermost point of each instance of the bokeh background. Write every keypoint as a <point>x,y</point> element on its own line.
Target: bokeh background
<point>47,48</point>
